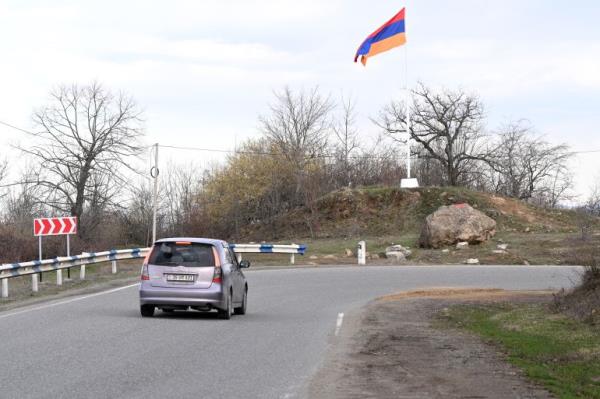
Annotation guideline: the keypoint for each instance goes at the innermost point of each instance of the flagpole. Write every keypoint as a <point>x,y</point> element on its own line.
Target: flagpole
<point>408,182</point>
<point>407,92</point>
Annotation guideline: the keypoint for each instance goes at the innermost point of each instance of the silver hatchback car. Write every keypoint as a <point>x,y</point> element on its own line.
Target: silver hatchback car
<point>197,273</point>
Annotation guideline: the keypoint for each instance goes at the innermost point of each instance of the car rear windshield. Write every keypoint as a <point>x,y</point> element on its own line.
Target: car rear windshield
<point>189,254</point>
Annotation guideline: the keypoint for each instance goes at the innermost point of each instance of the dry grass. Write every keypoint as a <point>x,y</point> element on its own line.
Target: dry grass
<point>492,294</point>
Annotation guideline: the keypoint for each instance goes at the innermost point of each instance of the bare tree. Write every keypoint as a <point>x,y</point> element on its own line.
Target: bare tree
<point>138,215</point>
<point>347,137</point>
<point>86,138</point>
<point>23,203</point>
<point>3,173</point>
<point>180,190</point>
<point>298,128</point>
<point>299,123</point>
<point>528,167</point>
<point>447,127</point>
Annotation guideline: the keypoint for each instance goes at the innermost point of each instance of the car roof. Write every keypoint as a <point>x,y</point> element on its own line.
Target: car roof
<point>198,240</point>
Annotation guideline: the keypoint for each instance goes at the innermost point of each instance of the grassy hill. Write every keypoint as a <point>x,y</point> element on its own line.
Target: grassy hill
<point>383,216</point>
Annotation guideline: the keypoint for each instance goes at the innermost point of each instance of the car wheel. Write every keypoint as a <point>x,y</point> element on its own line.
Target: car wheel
<point>242,309</point>
<point>147,310</point>
<point>226,314</point>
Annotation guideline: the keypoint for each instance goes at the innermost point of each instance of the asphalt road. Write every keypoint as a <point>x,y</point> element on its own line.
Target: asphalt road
<point>99,346</point>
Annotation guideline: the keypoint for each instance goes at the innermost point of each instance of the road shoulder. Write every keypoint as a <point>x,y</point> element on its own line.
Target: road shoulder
<point>390,349</point>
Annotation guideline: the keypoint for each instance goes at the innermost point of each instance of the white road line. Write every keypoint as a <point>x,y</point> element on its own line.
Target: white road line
<point>338,323</point>
<point>81,298</point>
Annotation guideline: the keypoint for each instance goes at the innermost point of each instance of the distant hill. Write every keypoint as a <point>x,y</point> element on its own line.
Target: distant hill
<point>379,211</point>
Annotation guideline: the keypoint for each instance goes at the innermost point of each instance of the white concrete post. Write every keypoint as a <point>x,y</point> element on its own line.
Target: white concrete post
<point>239,257</point>
<point>292,259</point>
<point>114,267</point>
<point>4,288</point>
<point>82,272</point>
<point>59,277</point>
<point>34,282</point>
<point>362,253</point>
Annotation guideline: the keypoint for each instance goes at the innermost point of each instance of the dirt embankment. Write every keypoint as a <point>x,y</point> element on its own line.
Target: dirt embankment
<point>379,211</point>
<point>391,350</point>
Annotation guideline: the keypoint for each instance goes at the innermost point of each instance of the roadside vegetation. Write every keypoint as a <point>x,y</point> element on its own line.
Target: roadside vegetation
<point>557,345</point>
<point>554,350</point>
<point>308,175</point>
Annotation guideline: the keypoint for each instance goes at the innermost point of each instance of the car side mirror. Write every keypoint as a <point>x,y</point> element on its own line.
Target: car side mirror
<point>244,264</point>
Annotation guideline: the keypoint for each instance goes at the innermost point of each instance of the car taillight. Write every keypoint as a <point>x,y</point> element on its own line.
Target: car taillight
<point>145,275</point>
<point>217,276</point>
<point>218,273</point>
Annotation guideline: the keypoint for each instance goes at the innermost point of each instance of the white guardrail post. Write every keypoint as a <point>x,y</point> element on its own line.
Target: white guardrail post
<point>361,253</point>
<point>114,267</point>
<point>34,282</point>
<point>4,288</point>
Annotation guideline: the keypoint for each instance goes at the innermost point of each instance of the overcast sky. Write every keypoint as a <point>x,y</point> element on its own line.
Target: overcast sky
<point>204,70</point>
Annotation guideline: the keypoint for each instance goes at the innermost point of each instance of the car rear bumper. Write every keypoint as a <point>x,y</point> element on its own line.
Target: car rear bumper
<point>212,296</point>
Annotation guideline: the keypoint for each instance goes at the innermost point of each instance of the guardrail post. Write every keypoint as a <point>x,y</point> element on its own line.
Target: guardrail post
<point>4,288</point>
<point>34,282</point>
<point>82,272</point>
<point>292,259</point>
<point>58,277</point>
<point>239,257</point>
<point>114,267</point>
<point>361,253</point>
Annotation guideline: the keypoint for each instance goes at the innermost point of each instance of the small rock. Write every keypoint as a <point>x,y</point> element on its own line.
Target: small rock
<point>397,251</point>
<point>527,229</point>
<point>526,263</point>
<point>472,261</point>
<point>462,245</point>
<point>499,252</point>
<point>395,255</point>
<point>313,257</point>
<point>502,246</point>
<point>349,253</point>
<point>445,250</point>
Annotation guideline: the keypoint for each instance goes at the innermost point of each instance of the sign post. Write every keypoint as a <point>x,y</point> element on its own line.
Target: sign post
<point>53,227</point>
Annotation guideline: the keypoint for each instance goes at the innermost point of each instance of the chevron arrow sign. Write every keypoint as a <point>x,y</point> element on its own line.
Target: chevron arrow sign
<point>54,226</point>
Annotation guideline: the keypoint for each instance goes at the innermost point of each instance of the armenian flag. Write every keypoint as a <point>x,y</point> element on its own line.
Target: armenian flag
<point>389,35</point>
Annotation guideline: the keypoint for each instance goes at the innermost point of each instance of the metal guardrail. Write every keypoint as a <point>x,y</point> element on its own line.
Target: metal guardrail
<point>65,262</point>
<point>292,249</point>
<point>34,268</point>
<point>269,248</point>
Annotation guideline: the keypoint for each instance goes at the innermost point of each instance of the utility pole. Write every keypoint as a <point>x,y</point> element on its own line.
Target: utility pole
<point>154,172</point>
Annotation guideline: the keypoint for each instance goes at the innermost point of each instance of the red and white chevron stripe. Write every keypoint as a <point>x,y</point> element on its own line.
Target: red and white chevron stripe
<point>54,226</point>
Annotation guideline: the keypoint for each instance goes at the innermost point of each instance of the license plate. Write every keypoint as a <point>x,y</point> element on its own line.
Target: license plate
<point>186,278</point>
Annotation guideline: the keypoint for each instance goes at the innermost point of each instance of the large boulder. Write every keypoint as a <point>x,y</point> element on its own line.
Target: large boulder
<point>456,223</point>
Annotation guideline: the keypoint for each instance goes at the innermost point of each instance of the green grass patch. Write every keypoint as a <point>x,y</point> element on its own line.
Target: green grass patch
<point>558,352</point>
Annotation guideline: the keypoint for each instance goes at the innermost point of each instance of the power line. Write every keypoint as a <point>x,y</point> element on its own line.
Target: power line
<point>17,128</point>
<point>250,152</point>
<point>274,154</point>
